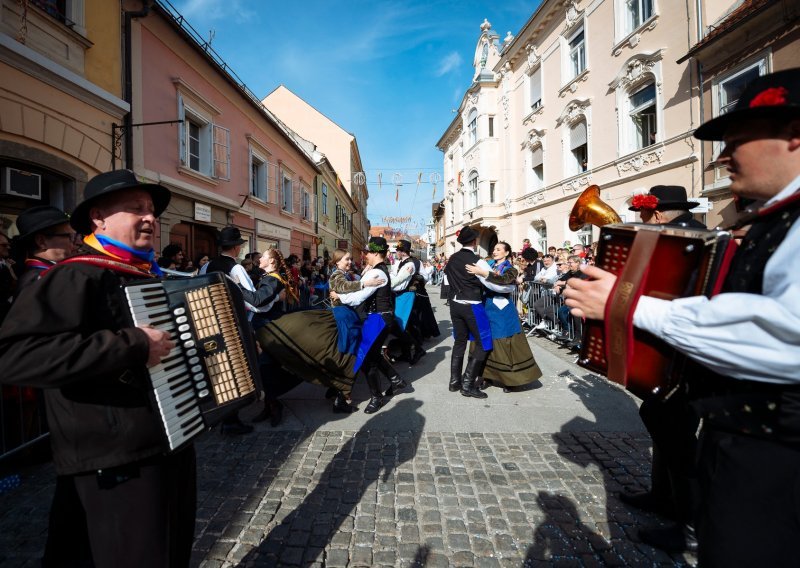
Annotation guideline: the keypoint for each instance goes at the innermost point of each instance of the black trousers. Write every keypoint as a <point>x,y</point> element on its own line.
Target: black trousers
<point>141,514</point>
<point>463,320</point>
<point>750,501</point>
<point>672,425</point>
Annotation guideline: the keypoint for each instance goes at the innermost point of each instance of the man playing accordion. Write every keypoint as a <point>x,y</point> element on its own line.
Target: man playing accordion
<point>745,339</point>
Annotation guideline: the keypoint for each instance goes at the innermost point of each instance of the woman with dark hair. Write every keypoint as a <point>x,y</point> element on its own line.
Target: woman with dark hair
<point>510,363</point>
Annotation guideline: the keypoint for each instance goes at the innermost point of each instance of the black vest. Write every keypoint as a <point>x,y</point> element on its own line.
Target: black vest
<point>746,273</point>
<point>417,281</point>
<point>381,302</point>
<point>463,285</point>
<point>221,264</point>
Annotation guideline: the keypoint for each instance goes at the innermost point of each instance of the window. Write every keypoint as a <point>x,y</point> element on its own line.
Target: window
<point>491,126</point>
<point>643,116</point>
<point>579,148</point>
<point>338,212</point>
<point>472,195</point>
<point>287,193</point>
<point>258,177</point>
<point>730,89</point>
<point>204,147</point>
<point>577,53</point>
<point>305,205</point>
<point>637,13</point>
<point>537,165</point>
<point>324,199</point>
<point>491,192</point>
<point>536,88</point>
<point>473,126</point>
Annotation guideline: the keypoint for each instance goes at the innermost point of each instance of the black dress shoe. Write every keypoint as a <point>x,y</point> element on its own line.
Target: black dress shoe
<point>374,404</point>
<point>419,352</point>
<point>398,384</point>
<point>647,501</point>
<point>331,393</point>
<point>341,406</point>
<point>679,537</point>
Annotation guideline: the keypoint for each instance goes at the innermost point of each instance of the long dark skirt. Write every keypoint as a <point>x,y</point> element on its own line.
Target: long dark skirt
<point>511,362</point>
<point>305,345</point>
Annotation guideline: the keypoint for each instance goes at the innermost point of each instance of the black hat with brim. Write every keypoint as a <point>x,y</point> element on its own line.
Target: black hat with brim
<point>377,244</point>
<point>467,235</point>
<point>230,237</point>
<point>36,219</point>
<point>110,183</point>
<point>403,245</point>
<point>670,198</point>
<point>772,97</point>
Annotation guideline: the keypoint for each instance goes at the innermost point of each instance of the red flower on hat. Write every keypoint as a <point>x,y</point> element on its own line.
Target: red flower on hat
<point>645,201</point>
<point>774,96</point>
<point>458,233</point>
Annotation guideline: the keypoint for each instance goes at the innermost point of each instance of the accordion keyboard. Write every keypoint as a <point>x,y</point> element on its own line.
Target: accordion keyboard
<point>178,380</point>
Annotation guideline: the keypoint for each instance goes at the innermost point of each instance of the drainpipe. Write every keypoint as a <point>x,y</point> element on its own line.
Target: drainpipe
<point>128,95</point>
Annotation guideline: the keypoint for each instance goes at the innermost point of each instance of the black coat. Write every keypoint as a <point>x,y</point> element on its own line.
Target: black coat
<point>69,334</point>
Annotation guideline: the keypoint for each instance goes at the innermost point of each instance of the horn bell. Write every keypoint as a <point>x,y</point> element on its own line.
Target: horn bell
<point>592,210</point>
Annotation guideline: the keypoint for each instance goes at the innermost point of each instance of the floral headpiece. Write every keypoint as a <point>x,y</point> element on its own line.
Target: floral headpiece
<point>645,201</point>
<point>375,247</point>
<point>775,96</point>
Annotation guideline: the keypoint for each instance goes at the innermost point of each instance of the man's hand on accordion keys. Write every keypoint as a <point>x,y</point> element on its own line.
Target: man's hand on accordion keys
<point>160,344</point>
<point>588,298</point>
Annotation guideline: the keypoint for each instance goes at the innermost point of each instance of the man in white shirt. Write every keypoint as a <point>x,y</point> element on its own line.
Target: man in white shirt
<point>548,274</point>
<point>747,338</point>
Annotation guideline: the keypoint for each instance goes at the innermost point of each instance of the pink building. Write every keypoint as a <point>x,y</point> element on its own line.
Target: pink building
<point>226,159</point>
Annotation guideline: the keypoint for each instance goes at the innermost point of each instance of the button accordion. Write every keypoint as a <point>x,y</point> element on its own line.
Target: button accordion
<point>660,261</point>
<point>212,368</point>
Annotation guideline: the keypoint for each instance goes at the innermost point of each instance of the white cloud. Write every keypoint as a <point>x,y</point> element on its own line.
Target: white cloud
<point>211,10</point>
<point>450,62</point>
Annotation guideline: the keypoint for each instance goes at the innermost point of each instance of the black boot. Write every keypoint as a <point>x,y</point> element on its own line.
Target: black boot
<point>265,413</point>
<point>341,406</point>
<point>397,382</point>
<point>376,400</point>
<point>456,365</point>
<point>471,373</point>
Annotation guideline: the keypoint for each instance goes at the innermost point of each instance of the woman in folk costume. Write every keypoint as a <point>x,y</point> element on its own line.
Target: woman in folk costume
<point>341,282</point>
<point>318,346</point>
<point>510,363</point>
<point>268,305</point>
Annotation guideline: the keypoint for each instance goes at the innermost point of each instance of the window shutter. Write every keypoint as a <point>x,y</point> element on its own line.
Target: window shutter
<point>537,157</point>
<point>222,152</point>
<point>253,180</point>
<point>181,131</point>
<point>577,136</point>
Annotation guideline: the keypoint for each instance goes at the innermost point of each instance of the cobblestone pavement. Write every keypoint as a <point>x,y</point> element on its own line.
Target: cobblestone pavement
<point>384,494</point>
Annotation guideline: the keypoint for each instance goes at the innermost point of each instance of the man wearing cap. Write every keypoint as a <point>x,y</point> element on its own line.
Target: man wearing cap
<point>230,245</point>
<point>666,205</point>
<point>745,338</point>
<point>69,334</point>
<point>45,238</point>
<point>467,316</point>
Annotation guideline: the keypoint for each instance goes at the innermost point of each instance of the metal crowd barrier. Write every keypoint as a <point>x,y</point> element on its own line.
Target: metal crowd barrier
<point>541,308</point>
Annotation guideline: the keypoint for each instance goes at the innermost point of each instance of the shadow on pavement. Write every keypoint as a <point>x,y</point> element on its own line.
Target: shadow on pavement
<point>316,526</point>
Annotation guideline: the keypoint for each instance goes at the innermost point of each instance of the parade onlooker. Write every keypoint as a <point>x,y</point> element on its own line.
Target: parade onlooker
<point>8,278</point>
<point>45,238</point>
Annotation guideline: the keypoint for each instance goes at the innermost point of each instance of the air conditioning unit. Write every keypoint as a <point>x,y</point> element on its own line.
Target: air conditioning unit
<point>20,183</point>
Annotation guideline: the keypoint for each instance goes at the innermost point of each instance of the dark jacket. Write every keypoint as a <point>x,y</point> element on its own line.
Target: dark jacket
<point>267,290</point>
<point>463,285</point>
<point>70,334</point>
<point>381,302</point>
<point>687,221</point>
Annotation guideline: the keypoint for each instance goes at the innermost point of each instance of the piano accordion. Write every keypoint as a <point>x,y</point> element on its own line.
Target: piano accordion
<point>660,261</point>
<point>212,368</point>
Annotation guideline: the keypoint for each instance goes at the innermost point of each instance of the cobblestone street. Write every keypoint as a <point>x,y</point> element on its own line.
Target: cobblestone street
<point>520,479</point>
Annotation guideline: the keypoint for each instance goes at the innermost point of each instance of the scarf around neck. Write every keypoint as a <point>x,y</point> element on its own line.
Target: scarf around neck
<point>144,260</point>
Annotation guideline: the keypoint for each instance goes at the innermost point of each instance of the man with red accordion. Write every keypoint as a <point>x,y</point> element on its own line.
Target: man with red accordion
<point>745,339</point>
<point>68,334</point>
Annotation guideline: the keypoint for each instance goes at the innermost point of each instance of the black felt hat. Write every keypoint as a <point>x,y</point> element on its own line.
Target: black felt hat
<point>668,198</point>
<point>230,237</point>
<point>36,219</point>
<point>403,245</point>
<point>775,96</point>
<point>377,244</point>
<point>467,235</point>
<point>109,183</point>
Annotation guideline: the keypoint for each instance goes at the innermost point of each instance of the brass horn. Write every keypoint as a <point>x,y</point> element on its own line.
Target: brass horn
<point>591,209</point>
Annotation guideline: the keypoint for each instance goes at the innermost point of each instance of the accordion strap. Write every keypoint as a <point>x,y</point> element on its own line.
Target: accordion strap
<point>108,263</point>
<point>622,303</point>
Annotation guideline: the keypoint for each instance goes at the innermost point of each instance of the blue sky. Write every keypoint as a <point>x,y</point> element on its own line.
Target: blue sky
<point>389,72</point>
